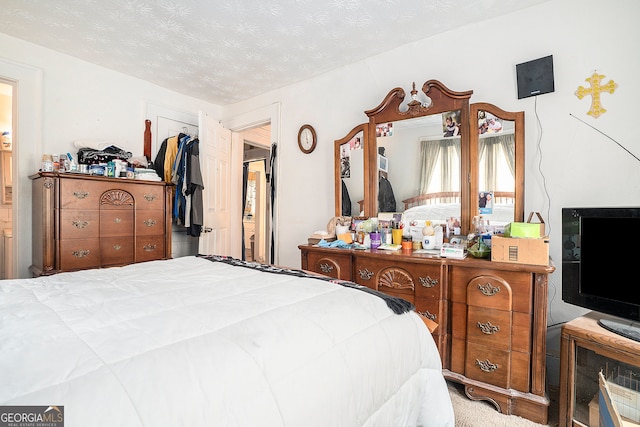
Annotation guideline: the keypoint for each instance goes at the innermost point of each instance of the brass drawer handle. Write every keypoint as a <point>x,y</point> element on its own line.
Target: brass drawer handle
<point>150,197</point>
<point>427,314</point>
<point>149,222</point>
<point>366,274</point>
<point>117,220</point>
<point>150,247</point>
<point>80,224</point>
<point>117,247</point>
<point>326,268</point>
<point>80,194</point>
<point>488,289</point>
<point>488,328</point>
<point>486,365</point>
<point>81,253</point>
<point>428,282</point>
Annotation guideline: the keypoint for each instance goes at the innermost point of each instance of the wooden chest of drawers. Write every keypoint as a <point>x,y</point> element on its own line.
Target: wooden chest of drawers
<point>491,317</point>
<point>82,221</point>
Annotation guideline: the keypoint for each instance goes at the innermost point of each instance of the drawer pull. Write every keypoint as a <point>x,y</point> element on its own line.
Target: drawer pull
<point>488,289</point>
<point>117,220</point>
<point>150,197</point>
<point>117,247</point>
<point>81,253</point>
<point>326,268</point>
<point>365,274</point>
<point>80,224</point>
<point>488,328</point>
<point>486,365</point>
<point>149,222</point>
<point>80,194</point>
<point>428,282</point>
<point>150,247</point>
<point>427,314</point>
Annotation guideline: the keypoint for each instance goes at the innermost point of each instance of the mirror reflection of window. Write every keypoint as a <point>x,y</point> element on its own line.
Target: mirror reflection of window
<point>496,165</point>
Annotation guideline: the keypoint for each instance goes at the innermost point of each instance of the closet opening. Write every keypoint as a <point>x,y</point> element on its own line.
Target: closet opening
<point>7,100</point>
<point>256,212</point>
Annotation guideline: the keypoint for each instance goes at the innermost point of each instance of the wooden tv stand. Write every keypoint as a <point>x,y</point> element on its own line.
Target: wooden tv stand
<point>587,348</point>
<point>491,316</point>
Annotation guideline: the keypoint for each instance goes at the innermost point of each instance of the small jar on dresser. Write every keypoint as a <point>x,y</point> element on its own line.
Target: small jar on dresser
<point>86,221</point>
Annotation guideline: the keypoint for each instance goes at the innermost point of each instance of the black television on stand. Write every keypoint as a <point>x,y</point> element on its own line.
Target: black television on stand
<point>601,264</point>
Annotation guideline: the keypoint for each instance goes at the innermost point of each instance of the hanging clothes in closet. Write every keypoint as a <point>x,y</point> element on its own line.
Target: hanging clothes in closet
<point>178,162</point>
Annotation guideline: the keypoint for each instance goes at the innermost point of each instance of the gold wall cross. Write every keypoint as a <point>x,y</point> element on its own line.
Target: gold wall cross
<point>594,91</point>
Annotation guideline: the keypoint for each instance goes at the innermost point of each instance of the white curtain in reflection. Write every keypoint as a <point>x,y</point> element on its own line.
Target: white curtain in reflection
<point>443,155</point>
<point>491,151</point>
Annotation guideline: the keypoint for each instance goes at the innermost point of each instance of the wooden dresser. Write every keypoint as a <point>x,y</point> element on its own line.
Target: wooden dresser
<point>83,221</point>
<point>491,317</point>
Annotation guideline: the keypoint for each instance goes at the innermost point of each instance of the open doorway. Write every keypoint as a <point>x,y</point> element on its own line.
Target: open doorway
<point>256,215</point>
<point>6,179</point>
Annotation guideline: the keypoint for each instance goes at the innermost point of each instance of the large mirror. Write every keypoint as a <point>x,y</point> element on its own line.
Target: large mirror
<point>426,152</point>
<point>350,172</point>
<point>427,156</point>
<point>497,171</point>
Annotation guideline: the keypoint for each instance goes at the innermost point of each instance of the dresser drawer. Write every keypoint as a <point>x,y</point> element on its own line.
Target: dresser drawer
<point>117,250</point>
<point>80,194</point>
<point>79,224</point>
<point>149,223</point>
<point>116,222</point>
<point>78,254</point>
<point>488,364</point>
<point>149,248</point>
<point>519,286</point>
<point>428,281</point>
<point>489,327</point>
<point>431,308</point>
<point>148,197</point>
<point>330,264</point>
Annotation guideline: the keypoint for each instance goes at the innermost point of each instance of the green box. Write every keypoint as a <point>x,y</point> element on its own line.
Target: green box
<point>523,229</point>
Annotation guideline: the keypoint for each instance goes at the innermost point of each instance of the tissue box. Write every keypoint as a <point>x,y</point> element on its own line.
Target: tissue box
<point>523,229</point>
<point>520,250</point>
<point>526,229</point>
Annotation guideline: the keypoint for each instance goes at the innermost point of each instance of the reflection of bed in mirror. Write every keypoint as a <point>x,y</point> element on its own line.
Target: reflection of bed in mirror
<point>437,207</point>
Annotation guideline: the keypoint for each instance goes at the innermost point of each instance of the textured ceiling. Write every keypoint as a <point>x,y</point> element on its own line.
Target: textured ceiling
<point>224,51</point>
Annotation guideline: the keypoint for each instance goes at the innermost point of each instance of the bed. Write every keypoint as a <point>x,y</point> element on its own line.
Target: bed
<point>438,207</point>
<point>213,341</point>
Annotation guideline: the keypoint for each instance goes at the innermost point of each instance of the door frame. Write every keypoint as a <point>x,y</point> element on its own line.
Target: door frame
<point>269,114</point>
<point>26,151</point>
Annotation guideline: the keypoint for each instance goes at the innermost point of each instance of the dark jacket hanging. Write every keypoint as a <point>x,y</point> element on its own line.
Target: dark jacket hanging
<point>346,200</point>
<point>386,199</point>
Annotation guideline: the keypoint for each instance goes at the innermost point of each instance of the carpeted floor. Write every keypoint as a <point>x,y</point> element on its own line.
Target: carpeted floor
<point>470,413</point>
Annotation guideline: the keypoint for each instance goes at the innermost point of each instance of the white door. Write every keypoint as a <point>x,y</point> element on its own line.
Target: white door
<point>215,163</point>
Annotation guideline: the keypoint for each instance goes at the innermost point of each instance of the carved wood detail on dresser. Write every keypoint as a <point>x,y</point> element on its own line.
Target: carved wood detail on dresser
<point>491,317</point>
<point>83,221</point>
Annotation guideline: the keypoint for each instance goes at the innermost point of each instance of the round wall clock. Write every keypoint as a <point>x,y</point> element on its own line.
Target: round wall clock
<point>307,139</point>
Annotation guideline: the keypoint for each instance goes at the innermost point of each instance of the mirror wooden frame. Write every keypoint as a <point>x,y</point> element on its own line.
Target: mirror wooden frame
<point>441,100</point>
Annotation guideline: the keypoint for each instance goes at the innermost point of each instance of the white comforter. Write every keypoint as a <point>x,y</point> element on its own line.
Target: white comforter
<point>190,342</point>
